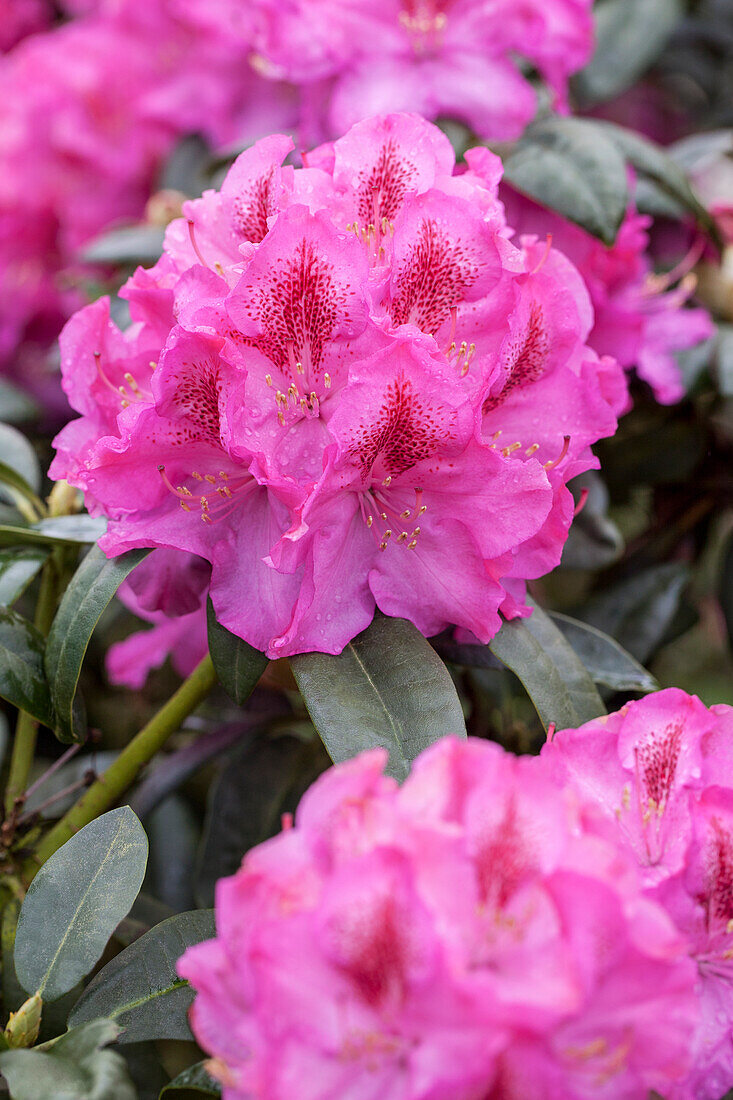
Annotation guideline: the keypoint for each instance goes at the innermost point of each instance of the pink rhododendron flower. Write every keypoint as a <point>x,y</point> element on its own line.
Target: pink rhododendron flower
<point>660,771</point>
<point>462,937</point>
<point>640,317</point>
<point>167,590</point>
<point>80,149</point>
<point>344,387</point>
<point>452,58</point>
<point>19,18</point>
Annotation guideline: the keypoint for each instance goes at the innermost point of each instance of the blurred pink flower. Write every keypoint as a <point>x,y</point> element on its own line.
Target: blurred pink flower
<point>660,770</point>
<point>462,937</point>
<point>640,317</point>
<point>168,589</point>
<point>454,58</point>
<point>80,148</point>
<point>19,18</point>
<point>336,382</point>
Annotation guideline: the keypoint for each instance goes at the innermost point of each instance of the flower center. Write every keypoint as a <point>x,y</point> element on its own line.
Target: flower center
<point>221,496</point>
<point>425,23</point>
<point>383,512</point>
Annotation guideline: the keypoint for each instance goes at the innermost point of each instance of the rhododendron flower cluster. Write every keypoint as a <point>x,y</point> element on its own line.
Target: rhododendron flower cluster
<point>90,111</point>
<point>345,386</point>
<point>640,317</point>
<point>661,772</point>
<point>470,935</point>
<point>453,58</point>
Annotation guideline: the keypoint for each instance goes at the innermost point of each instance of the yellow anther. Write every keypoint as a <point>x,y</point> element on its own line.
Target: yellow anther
<point>387,481</point>
<point>196,475</point>
<point>268,379</point>
<point>327,380</point>
<point>412,545</point>
<point>211,479</point>
<point>531,450</point>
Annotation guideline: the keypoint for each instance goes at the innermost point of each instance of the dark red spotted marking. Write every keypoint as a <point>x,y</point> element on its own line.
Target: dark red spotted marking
<point>198,388</point>
<point>405,432</point>
<point>300,306</point>
<point>719,873</point>
<point>382,190</point>
<point>527,357</point>
<point>433,278</point>
<point>657,759</point>
<point>372,951</point>
<point>503,860</point>
<point>252,207</point>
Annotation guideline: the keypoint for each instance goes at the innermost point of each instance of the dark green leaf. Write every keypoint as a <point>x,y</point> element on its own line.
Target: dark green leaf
<point>186,169</point>
<point>16,407</point>
<point>18,567</point>
<point>726,589</point>
<point>134,244</point>
<point>76,900</point>
<point>257,784</point>
<point>554,677</point>
<point>173,831</point>
<point>594,540</point>
<point>638,612</point>
<point>660,172</point>
<point>194,1080</point>
<point>238,665</point>
<point>140,989</point>
<point>90,591</point>
<point>571,165</point>
<point>606,661</point>
<point>22,678</point>
<point>57,531</point>
<point>18,457</point>
<point>387,688</point>
<point>630,35</point>
<point>71,1068</point>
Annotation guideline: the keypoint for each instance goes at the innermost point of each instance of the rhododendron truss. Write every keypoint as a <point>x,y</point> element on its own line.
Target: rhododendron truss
<point>449,58</point>
<point>469,936</point>
<point>345,386</point>
<point>661,773</point>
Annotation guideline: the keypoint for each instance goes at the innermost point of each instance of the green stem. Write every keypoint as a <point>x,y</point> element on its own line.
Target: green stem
<point>122,772</point>
<point>26,730</point>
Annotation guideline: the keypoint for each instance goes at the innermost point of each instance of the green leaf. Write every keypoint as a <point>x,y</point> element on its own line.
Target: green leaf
<point>630,35</point>
<point>140,989</point>
<point>257,784</point>
<point>16,407</point>
<point>639,611</point>
<point>90,591</point>
<point>572,166</point>
<point>58,531</point>
<point>659,172</point>
<point>387,688</point>
<point>238,665</point>
<point>70,1068</point>
<point>133,244</point>
<point>19,458</point>
<point>726,589</point>
<point>18,567</point>
<point>554,677</point>
<point>607,662</point>
<point>594,540</point>
<point>76,900</point>
<point>22,677</point>
<point>193,1080</point>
